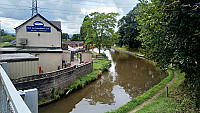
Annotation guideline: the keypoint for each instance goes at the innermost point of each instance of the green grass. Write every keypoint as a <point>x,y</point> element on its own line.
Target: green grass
<point>5,44</point>
<point>165,104</point>
<point>144,97</point>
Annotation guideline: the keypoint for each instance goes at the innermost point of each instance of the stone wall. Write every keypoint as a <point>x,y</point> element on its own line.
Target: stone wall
<point>59,79</point>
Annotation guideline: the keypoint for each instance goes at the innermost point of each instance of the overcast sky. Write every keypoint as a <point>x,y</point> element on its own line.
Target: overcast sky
<point>70,12</point>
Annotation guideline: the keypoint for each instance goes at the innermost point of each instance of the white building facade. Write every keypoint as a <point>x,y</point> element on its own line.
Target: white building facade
<point>39,32</point>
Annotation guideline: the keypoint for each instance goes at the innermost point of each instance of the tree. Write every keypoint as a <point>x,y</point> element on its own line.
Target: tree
<point>5,37</point>
<point>83,29</point>
<point>75,37</point>
<point>100,29</point>
<point>128,30</point>
<point>170,32</point>
<point>65,36</point>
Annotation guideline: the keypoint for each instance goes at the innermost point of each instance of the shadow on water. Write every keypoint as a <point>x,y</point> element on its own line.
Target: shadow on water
<point>127,78</point>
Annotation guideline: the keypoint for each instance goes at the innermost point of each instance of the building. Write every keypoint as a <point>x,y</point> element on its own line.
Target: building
<point>38,32</point>
<point>20,64</point>
<point>41,38</point>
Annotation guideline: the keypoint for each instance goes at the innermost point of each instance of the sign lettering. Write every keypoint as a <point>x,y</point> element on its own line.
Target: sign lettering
<point>38,26</point>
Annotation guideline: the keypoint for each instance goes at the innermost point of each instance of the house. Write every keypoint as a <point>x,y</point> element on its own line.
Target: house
<point>38,32</point>
<point>41,38</point>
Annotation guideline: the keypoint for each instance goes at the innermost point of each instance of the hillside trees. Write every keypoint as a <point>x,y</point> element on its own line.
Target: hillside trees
<point>170,32</point>
<point>128,30</point>
<point>75,37</point>
<point>100,29</point>
<point>65,36</point>
<point>5,37</point>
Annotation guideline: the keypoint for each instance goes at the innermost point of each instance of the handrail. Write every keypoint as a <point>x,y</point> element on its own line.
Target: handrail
<point>13,97</point>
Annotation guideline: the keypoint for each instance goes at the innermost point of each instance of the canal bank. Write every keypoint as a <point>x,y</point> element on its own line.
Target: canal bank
<point>100,66</point>
<point>128,77</point>
<point>139,102</point>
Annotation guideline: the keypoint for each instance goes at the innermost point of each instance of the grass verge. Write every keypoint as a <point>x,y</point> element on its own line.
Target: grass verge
<point>177,101</point>
<point>147,95</point>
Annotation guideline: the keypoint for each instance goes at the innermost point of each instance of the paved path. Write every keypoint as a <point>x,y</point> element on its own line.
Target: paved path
<point>155,96</point>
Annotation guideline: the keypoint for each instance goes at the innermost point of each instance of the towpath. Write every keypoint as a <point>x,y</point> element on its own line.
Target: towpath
<point>157,94</point>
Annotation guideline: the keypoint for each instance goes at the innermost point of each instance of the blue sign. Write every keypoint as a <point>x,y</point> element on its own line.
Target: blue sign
<point>38,26</point>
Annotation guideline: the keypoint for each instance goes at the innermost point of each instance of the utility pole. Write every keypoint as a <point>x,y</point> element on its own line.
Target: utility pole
<point>0,34</point>
<point>34,7</point>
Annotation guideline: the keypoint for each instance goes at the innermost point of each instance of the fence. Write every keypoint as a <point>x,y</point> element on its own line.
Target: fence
<point>58,80</point>
<point>10,100</point>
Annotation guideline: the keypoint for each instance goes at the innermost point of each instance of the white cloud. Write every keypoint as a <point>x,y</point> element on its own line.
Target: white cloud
<point>8,24</point>
<point>69,27</point>
<point>101,10</point>
<point>71,12</point>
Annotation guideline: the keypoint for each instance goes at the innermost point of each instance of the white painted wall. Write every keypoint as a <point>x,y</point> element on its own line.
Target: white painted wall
<point>66,55</point>
<point>49,61</point>
<point>46,39</point>
<point>23,68</point>
<point>86,57</point>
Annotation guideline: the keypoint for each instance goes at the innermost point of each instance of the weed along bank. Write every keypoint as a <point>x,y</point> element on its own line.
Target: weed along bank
<point>38,61</point>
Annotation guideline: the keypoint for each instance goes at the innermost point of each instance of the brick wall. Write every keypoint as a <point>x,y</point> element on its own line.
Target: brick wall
<point>59,79</point>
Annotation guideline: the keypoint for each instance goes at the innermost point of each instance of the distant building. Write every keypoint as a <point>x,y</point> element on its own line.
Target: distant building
<point>72,44</point>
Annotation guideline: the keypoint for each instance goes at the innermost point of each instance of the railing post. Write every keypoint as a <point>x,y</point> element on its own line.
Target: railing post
<point>167,91</point>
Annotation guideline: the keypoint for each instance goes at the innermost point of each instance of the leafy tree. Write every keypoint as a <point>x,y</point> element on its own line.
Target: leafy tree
<point>170,32</point>
<point>75,37</point>
<point>5,37</point>
<point>128,30</point>
<point>65,36</point>
<point>100,29</point>
<point>83,30</point>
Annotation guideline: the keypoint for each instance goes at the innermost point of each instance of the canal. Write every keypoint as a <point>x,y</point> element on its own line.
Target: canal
<point>127,78</point>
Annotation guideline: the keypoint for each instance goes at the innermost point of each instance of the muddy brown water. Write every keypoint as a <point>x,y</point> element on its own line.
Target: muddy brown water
<point>128,77</point>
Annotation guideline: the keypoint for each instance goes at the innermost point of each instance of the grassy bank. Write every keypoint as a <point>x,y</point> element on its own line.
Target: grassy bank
<point>166,104</point>
<point>144,97</point>
<point>177,101</point>
<point>102,65</point>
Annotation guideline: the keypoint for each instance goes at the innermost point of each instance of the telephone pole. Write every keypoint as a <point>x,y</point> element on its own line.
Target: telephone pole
<point>34,7</point>
<point>0,36</point>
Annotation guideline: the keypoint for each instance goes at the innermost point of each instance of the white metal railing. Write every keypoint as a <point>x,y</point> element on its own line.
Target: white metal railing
<point>10,100</point>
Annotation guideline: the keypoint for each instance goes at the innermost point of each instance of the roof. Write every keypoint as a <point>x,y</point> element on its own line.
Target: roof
<point>17,57</point>
<point>33,50</point>
<point>13,42</point>
<point>55,24</point>
<point>73,42</point>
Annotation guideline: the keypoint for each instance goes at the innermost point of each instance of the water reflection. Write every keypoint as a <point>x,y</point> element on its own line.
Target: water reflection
<point>128,77</point>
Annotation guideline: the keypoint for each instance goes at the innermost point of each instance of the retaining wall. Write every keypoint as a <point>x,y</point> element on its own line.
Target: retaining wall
<point>59,79</point>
